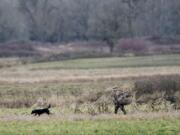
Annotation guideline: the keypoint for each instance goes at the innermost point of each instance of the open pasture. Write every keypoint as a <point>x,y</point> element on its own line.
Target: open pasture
<point>91,69</point>
<point>87,127</point>
<point>62,83</point>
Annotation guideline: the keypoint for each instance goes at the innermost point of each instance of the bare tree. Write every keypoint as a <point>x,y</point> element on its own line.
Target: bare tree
<point>69,20</point>
<point>11,23</point>
<point>38,18</point>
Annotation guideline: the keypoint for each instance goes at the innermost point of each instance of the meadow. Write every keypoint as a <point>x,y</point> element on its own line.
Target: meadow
<point>89,69</point>
<point>98,127</point>
<point>62,83</point>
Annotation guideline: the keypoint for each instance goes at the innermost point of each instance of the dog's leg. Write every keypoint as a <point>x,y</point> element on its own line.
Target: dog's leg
<point>48,112</point>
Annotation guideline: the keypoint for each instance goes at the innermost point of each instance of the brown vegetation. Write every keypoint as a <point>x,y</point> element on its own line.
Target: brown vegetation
<point>158,89</point>
<point>36,51</point>
<point>136,46</point>
<point>155,91</point>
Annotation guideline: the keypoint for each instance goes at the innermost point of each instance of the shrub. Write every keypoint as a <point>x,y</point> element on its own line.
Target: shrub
<point>135,45</point>
<point>164,40</point>
<point>156,88</point>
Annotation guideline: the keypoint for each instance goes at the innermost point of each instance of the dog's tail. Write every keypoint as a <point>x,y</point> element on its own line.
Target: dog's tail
<point>49,106</point>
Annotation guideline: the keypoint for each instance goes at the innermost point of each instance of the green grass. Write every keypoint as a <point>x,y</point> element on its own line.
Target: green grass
<point>114,62</point>
<point>95,127</point>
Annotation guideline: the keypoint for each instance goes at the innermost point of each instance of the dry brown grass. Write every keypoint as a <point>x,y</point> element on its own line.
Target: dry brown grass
<point>25,75</point>
<point>80,117</point>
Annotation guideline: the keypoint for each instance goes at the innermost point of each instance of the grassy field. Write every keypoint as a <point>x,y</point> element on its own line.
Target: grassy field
<point>61,83</point>
<point>96,127</point>
<point>114,62</point>
<point>49,81</point>
<point>91,69</point>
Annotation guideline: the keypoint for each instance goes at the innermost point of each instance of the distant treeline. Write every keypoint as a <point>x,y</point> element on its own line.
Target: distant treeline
<point>69,20</point>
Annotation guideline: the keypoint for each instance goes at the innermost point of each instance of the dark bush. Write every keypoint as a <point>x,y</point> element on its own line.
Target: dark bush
<point>135,45</point>
<point>157,87</point>
<point>165,40</point>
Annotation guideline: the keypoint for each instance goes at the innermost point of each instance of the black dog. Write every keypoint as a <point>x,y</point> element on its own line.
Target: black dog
<point>41,111</point>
